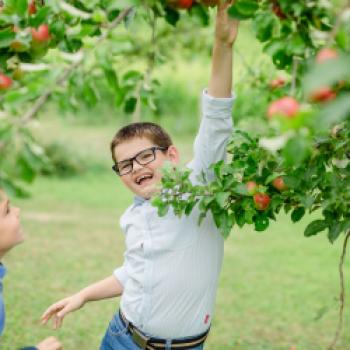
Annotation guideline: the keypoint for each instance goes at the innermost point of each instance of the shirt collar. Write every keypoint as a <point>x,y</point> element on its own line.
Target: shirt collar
<point>138,200</point>
<point>2,271</point>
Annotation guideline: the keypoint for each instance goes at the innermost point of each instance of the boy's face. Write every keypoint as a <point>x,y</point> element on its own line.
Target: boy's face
<point>143,179</point>
<point>10,227</point>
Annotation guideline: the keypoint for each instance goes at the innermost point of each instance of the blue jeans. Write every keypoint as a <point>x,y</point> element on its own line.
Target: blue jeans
<point>117,337</point>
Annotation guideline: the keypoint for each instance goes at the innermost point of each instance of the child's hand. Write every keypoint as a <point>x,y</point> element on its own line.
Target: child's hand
<point>50,343</point>
<point>226,28</point>
<point>60,309</point>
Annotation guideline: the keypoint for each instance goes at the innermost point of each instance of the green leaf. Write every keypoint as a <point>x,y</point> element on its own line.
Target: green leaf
<point>240,217</point>
<point>335,112</point>
<point>243,9</point>
<point>315,227</point>
<point>200,13</point>
<point>263,25</point>
<point>6,37</point>
<point>25,171</point>
<point>190,205</point>
<point>221,198</point>
<point>225,224</point>
<point>171,16</point>
<point>130,105</point>
<point>112,79</point>
<point>261,222</point>
<point>163,210</point>
<point>18,7</point>
<point>296,150</point>
<point>42,17</point>
<point>241,189</point>
<point>334,231</point>
<point>297,214</point>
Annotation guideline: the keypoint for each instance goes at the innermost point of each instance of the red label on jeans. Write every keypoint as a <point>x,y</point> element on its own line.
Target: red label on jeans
<point>206,318</point>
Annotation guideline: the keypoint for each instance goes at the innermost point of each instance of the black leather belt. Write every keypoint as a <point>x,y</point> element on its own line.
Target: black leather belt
<point>159,344</point>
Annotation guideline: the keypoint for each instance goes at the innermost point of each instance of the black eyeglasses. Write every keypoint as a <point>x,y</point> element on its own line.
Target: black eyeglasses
<point>144,157</point>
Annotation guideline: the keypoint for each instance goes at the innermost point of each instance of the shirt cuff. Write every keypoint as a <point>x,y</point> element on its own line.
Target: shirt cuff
<point>121,275</point>
<point>217,107</point>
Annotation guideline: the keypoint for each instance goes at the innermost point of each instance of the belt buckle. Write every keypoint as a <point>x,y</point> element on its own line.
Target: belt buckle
<point>139,339</point>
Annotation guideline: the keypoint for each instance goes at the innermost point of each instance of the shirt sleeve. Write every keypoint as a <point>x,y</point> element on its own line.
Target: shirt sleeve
<point>215,129</point>
<point>121,275</point>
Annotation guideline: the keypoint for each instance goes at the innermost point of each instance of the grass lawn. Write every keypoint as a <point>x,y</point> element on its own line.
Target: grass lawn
<point>272,288</point>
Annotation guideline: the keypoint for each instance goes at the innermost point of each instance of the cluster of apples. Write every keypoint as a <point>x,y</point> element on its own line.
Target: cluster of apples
<point>288,106</point>
<point>40,37</point>
<point>187,4</point>
<point>262,200</point>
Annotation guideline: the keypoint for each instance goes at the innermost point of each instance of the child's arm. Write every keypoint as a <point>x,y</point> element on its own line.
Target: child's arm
<point>107,288</point>
<point>216,124</point>
<point>226,29</point>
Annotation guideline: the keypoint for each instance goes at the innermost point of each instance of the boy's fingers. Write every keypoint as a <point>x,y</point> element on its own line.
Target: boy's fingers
<point>50,311</point>
<point>59,316</point>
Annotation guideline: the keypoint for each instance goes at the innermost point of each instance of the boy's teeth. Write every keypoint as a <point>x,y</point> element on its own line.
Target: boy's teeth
<point>142,178</point>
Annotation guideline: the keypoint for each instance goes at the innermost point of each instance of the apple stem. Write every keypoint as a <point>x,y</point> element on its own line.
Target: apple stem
<point>341,295</point>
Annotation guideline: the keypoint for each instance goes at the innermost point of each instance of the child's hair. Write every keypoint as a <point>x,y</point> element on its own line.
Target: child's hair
<point>152,131</point>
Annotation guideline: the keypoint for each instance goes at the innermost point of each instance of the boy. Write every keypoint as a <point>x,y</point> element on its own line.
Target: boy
<point>170,273</point>
<point>10,235</point>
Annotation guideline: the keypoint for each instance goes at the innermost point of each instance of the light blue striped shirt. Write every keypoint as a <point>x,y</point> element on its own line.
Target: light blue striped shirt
<point>171,265</point>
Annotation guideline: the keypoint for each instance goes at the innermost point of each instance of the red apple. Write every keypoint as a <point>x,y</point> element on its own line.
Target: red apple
<point>251,187</point>
<point>5,82</point>
<point>279,184</point>
<point>277,83</point>
<point>326,54</point>
<point>42,34</point>
<point>323,94</point>
<point>181,4</point>
<point>285,106</point>
<point>261,200</point>
<point>32,8</point>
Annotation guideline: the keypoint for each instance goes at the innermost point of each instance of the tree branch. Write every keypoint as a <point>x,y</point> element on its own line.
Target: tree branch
<point>341,296</point>
<point>41,100</point>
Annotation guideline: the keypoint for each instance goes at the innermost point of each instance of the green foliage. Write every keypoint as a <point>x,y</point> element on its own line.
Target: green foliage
<point>315,181</point>
<point>64,162</point>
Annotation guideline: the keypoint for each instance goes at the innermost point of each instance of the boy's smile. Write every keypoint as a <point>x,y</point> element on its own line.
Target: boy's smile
<point>143,179</point>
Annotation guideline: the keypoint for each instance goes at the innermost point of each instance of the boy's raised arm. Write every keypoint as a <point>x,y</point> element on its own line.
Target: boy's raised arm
<point>226,29</point>
<point>216,123</point>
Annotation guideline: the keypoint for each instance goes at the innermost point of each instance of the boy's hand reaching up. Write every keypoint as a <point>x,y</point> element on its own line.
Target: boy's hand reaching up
<point>60,309</point>
<point>226,28</point>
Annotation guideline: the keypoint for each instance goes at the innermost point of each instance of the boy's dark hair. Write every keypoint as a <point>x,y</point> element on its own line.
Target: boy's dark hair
<point>151,131</point>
